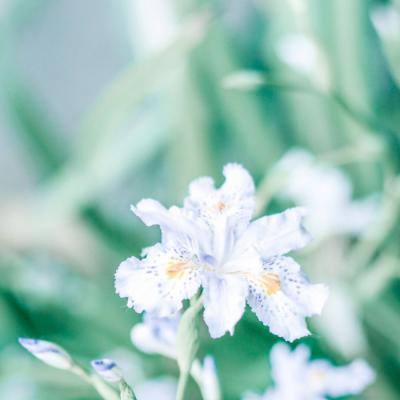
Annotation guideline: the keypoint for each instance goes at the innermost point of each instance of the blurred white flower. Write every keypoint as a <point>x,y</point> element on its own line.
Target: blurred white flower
<point>159,336</point>
<point>340,323</point>
<point>18,388</point>
<point>386,20</point>
<point>298,51</point>
<point>156,335</point>
<point>298,378</point>
<point>161,389</point>
<point>327,193</point>
<point>207,378</point>
<point>47,352</point>
<point>211,243</point>
<point>107,369</point>
<point>152,24</point>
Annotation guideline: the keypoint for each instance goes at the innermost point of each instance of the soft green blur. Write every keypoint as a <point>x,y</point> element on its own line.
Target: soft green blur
<point>99,109</point>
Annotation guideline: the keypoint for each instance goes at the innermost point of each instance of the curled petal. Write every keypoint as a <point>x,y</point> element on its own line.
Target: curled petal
<point>233,200</point>
<point>224,303</point>
<point>152,212</point>
<point>200,188</point>
<point>276,234</point>
<point>178,228</point>
<point>238,181</point>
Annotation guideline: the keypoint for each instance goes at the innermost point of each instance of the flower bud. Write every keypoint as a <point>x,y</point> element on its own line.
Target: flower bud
<point>47,352</point>
<point>107,369</point>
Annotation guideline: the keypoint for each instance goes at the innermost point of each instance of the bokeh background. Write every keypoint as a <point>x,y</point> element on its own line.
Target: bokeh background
<point>103,103</point>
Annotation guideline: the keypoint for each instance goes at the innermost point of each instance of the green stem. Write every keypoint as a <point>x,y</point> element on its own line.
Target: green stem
<point>187,343</point>
<point>126,391</point>
<point>183,380</point>
<point>105,391</point>
<point>362,118</point>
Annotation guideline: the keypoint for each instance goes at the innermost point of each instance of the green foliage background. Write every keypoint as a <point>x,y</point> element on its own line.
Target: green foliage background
<point>90,124</point>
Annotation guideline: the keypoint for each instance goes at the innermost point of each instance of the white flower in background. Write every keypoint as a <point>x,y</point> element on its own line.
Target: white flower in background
<point>298,378</point>
<point>156,335</point>
<point>107,369</point>
<point>298,51</point>
<point>386,20</point>
<point>159,336</point>
<point>341,325</point>
<point>18,387</point>
<point>327,193</point>
<point>47,352</point>
<point>211,243</point>
<point>153,23</point>
<point>207,378</point>
<point>163,388</point>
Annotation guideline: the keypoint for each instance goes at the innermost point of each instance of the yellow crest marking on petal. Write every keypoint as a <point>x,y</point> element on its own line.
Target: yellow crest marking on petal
<point>176,269</point>
<point>270,283</point>
<point>221,207</point>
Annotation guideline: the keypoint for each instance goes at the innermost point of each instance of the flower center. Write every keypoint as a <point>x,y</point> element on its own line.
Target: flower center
<point>318,376</point>
<point>221,207</point>
<point>270,282</point>
<point>176,269</point>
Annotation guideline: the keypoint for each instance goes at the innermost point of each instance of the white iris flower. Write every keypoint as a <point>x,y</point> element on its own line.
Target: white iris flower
<point>327,193</point>
<point>298,378</point>
<point>211,243</point>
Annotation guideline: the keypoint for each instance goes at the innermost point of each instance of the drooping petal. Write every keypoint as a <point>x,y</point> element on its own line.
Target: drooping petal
<point>310,297</point>
<point>133,281</point>
<point>160,282</point>
<point>276,234</point>
<point>279,313</point>
<point>224,303</point>
<point>282,297</point>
